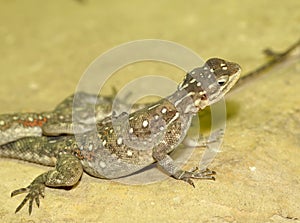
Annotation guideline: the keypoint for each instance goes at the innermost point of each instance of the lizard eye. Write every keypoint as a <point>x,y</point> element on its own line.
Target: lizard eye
<point>223,80</point>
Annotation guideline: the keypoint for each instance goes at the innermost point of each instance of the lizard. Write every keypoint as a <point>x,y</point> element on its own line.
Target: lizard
<point>59,121</point>
<point>127,143</point>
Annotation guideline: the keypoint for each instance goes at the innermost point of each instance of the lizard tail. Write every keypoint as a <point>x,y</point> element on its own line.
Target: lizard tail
<point>31,149</point>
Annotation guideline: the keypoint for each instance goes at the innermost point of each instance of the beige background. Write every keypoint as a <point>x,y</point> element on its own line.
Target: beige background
<point>46,46</point>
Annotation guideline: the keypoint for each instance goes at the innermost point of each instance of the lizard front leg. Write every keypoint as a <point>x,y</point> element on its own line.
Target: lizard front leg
<point>169,166</point>
<point>67,172</point>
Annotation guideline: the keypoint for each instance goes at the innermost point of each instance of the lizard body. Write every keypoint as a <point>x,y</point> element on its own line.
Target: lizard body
<point>124,144</point>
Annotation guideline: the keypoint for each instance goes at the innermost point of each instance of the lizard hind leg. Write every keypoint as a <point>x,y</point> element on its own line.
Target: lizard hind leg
<point>67,172</point>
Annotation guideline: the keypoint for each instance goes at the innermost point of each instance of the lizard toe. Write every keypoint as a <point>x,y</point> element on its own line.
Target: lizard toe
<point>34,191</point>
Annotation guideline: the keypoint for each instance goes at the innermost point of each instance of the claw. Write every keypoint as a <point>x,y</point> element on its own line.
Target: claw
<point>191,183</point>
<point>206,174</point>
<point>194,169</point>
<point>195,173</point>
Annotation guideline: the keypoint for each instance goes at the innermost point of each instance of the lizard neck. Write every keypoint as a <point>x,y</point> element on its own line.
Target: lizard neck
<point>183,102</point>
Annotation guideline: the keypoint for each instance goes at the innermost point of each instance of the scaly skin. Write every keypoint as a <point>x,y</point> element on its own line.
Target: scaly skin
<point>127,143</point>
<point>59,121</point>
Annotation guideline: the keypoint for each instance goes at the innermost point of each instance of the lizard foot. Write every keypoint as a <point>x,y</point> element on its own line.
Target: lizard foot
<point>195,173</point>
<point>34,190</point>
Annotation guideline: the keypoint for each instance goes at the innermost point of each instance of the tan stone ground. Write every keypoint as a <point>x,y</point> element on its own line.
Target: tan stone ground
<point>46,46</point>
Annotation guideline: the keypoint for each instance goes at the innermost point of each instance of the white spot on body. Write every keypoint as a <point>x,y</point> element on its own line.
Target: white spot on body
<point>164,111</point>
<point>175,117</point>
<point>131,130</point>
<point>193,72</point>
<point>184,86</point>
<point>202,92</point>
<point>52,141</point>
<point>119,141</point>
<point>145,123</point>
<point>224,68</point>
<point>2,122</point>
<point>102,164</point>
<point>193,80</point>
<point>104,142</point>
<point>90,147</point>
<point>15,117</point>
<point>30,119</point>
<point>129,153</point>
<point>198,84</point>
<point>211,70</point>
<point>156,117</point>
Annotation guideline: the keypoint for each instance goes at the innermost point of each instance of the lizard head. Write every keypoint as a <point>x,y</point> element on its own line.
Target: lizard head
<point>209,83</point>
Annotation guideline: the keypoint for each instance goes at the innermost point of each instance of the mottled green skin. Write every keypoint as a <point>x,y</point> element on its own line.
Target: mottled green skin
<point>124,144</point>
